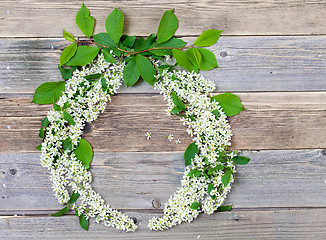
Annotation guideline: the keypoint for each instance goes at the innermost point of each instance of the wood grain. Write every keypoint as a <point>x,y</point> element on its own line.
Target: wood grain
<point>246,64</point>
<point>278,120</point>
<point>264,17</point>
<point>238,224</point>
<point>134,180</point>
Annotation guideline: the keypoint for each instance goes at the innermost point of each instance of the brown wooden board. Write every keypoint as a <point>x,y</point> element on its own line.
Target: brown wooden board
<point>246,64</point>
<point>265,17</point>
<point>134,180</point>
<point>293,224</point>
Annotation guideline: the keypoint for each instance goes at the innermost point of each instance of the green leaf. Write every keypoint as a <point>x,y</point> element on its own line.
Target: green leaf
<point>56,107</point>
<point>74,197</point>
<point>61,212</point>
<point>83,56</point>
<point>48,92</point>
<point>67,144</point>
<point>68,53</point>
<point>84,152</point>
<point>93,77</point>
<point>208,38</point>
<point>211,170</point>
<point>45,122</point>
<point>194,173</point>
<point>173,42</point>
<point>230,103</point>
<point>39,147</point>
<point>177,101</point>
<point>66,105</point>
<point>66,73</point>
<point>146,69</point>
<point>114,25</point>
<point>190,153</point>
<point>129,41</point>
<point>183,60</point>
<point>216,113</point>
<point>83,222</point>
<point>69,118</point>
<point>85,21</point>
<point>226,177</point>
<point>176,110</point>
<point>68,36</point>
<point>208,59</point>
<point>168,25</point>
<point>241,160</point>
<point>104,84</point>
<point>194,56</point>
<point>131,73</point>
<point>224,208</point>
<point>108,57</point>
<point>210,187</point>
<point>104,39</point>
<point>146,44</point>
<point>195,205</point>
<point>138,42</point>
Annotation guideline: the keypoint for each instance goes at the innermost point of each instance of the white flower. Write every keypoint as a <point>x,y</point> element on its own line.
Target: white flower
<point>170,137</point>
<point>148,135</point>
<point>177,141</point>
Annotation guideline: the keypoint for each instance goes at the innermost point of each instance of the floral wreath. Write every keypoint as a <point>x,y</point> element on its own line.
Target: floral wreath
<point>94,73</point>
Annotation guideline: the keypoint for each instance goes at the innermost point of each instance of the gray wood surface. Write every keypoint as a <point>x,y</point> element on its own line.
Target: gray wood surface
<point>264,17</point>
<point>238,224</point>
<point>246,64</point>
<point>273,179</point>
<point>277,120</point>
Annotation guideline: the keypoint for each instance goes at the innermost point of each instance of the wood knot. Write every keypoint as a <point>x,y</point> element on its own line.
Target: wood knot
<point>156,203</point>
<point>223,54</point>
<point>134,219</point>
<point>12,171</point>
<point>87,128</point>
<point>323,152</point>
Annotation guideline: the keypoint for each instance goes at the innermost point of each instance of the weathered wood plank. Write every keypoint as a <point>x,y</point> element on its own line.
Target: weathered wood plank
<point>237,224</point>
<point>133,180</point>
<point>247,64</point>
<point>278,120</point>
<point>264,17</point>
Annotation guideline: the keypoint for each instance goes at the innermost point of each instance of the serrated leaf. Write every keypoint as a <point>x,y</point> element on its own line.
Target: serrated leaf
<point>129,41</point>
<point>176,110</point>
<point>45,122</point>
<point>146,69</point>
<point>61,212</point>
<point>39,147</point>
<point>69,118</point>
<point>66,73</point>
<point>67,144</point>
<point>173,42</point>
<point>194,56</point>
<point>108,57</point>
<point>48,92</point>
<point>177,101</point>
<point>208,59</point>
<point>224,208</point>
<point>168,25</point>
<point>104,84</point>
<point>131,73</point>
<point>183,60</point>
<point>190,153</point>
<point>230,103</point>
<point>83,56</point>
<point>74,197</point>
<point>208,38</point>
<point>195,205</point>
<point>194,173</point>
<point>241,160</point>
<point>226,177</point>
<point>104,39</point>
<point>56,107</point>
<point>83,222</point>
<point>114,25</point>
<point>84,152</point>
<point>68,36</point>
<point>85,21</point>
<point>68,53</point>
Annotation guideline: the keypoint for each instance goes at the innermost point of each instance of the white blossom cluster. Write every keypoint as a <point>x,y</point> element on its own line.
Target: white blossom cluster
<point>212,135</point>
<point>86,99</point>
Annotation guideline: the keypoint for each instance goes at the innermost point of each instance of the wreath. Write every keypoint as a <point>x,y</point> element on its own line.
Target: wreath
<point>94,72</point>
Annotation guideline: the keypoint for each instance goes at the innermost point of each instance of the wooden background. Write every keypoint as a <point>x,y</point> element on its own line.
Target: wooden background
<point>272,54</point>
